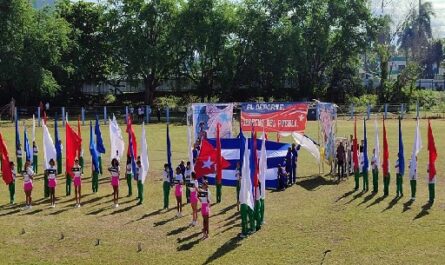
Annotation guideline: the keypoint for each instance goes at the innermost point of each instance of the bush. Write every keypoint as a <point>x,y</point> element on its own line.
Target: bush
<point>360,103</point>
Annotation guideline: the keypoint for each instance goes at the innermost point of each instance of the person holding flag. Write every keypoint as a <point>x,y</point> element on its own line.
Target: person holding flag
<point>99,143</point>
<point>80,152</point>
<point>11,185</point>
<point>385,164</point>
<point>400,164</point>
<point>413,162</point>
<point>28,151</point>
<point>18,146</point>
<point>246,196</point>
<point>355,157</point>
<point>51,174</point>
<point>8,170</point>
<point>129,176</point>
<point>58,146</point>
<point>432,156</point>
<point>94,162</point>
<point>168,171</point>
<point>218,165</point>
<point>365,167</point>
<point>255,219</point>
<point>35,152</point>
<point>166,185</point>
<point>19,157</point>
<point>142,165</point>
<point>375,161</point>
<point>262,177</point>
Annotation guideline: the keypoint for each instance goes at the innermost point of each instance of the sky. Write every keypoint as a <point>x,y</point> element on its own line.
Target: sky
<point>399,8</point>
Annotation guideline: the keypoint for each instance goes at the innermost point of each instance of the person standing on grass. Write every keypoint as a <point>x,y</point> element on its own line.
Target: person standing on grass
<point>19,158</point>
<point>77,171</point>
<point>35,155</point>
<point>375,172</point>
<point>295,150</point>
<point>204,197</point>
<point>11,185</point>
<point>59,157</point>
<point>178,191</point>
<point>28,176</point>
<point>81,160</point>
<point>52,182</point>
<point>188,179</point>
<point>238,184</point>
<point>340,160</point>
<point>140,184</point>
<point>288,160</point>
<point>399,188</point>
<point>129,176</point>
<point>115,173</point>
<point>166,185</point>
<point>95,178</point>
<point>257,209</point>
<point>413,178</point>
<point>193,187</point>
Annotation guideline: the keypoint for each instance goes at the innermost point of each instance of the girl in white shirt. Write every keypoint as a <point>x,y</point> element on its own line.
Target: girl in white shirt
<point>204,197</point>
<point>51,172</point>
<point>115,173</point>
<point>192,186</point>
<point>178,191</point>
<point>28,176</point>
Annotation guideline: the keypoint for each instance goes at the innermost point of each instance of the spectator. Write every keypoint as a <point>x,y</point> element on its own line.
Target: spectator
<point>340,160</point>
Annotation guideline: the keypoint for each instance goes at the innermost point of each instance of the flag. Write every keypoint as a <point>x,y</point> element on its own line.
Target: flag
<point>33,128</point>
<point>93,151</point>
<point>365,149</point>
<point>28,150</point>
<point>190,151</point>
<point>307,144</point>
<point>253,159</point>
<point>73,143</point>
<point>432,155</point>
<point>132,144</point>
<point>218,156</point>
<point>207,163</point>
<point>117,144</point>
<point>246,195</point>
<point>99,141</point>
<point>385,164</point>
<point>401,154</point>
<point>6,167</point>
<point>355,147</point>
<point>57,143</point>
<point>49,149</point>
<point>377,143</point>
<point>144,155</point>
<point>17,134</point>
<point>416,149</point>
<point>263,167</point>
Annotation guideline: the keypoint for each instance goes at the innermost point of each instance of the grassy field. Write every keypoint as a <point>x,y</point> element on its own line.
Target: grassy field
<point>314,220</point>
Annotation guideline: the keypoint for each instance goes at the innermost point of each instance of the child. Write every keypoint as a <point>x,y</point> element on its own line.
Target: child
<point>129,175</point>
<point>12,184</point>
<point>19,158</point>
<point>188,173</point>
<point>28,176</point>
<point>178,191</point>
<point>238,183</point>
<point>135,175</point>
<point>95,178</point>
<point>204,197</point>
<point>115,173</point>
<point>166,185</point>
<point>35,152</point>
<point>192,186</point>
<point>77,171</point>
<point>51,172</point>
<point>140,184</point>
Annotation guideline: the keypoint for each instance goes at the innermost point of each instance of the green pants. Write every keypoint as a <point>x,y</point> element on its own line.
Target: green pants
<point>413,184</point>
<point>386,181</point>
<point>100,165</point>
<point>257,215</point>
<point>244,223</point>
<point>218,192</point>
<point>238,188</point>
<point>187,194</point>
<point>251,215</point>
<point>81,163</point>
<point>365,180</point>
<point>68,184</point>
<point>59,165</point>
<point>95,181</point>
<point>45,186</point>
<point>375,180</point>
<point>262,211</point>
<point>140,192</point>
<point>399,184</point>
<point>11,187</point>
<point>19,164</point>
<point>356,179</point>
<point>432,192</point>
<point>166,188</point>
<point>34,163</point>
<point>129,180</point>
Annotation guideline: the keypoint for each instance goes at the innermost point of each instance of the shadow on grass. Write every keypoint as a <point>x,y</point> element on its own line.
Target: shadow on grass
<point>313,182</point>
<point>392,203</point>
<point>98,211</point>
<point>10,213</point>
<point>424,212</point>
<point>407,205</point>
<point>355,197</point>
<point>189,245</point>
<point>122,210</point>
<point>33,212</point>
<point>377,201</point>
<point>345,195</point>
<point>229,228</point>
<point>229,246</point>
<point>151,214</point>
<point>177,230</point>
<point>164,222</point>
<point>225,210</point>
<point>187,238</point>
<point>368,198</point>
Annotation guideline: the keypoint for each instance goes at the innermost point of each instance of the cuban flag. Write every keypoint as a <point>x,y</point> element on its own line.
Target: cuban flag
<point>230,150</point>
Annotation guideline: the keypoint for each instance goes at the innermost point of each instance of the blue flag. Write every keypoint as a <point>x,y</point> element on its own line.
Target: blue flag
<point>401,155</point>
<point>169,148</point>
<point>57,143</point>
<point>93,151</point>
<point>242,146</point>
<point>99,142</point>
<point>365,149</point>
<point>28,151</point>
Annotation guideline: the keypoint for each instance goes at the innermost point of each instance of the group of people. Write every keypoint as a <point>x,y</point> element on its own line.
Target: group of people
<point>287,172</point>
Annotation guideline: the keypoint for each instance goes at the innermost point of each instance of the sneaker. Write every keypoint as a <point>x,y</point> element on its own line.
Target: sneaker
<point>117,205</point>
<point>29,207</point>
<point>242,235</point>
<point>413,198</point>
<point>52,206</point>
<point>177,214</point>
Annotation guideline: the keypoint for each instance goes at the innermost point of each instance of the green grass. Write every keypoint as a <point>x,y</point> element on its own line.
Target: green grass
<point>302,223</point>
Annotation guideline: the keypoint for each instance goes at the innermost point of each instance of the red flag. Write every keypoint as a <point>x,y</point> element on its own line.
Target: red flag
<point>6,167</point>
<point>218,156</point>
<point>80,136</point>
<point>355,147</point>
<point>131,135</point>
<point>432,154</point>
<point>73,143</point>
<point>206,163</point>
<point>385,164</point>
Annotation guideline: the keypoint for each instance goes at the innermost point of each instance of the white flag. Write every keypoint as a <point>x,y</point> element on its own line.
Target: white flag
<point>190,151</point>
<point>307,144</point>
<point>416,149</point>
<point>377,143</point>
<point>246,196</point>
<point>49,149</point>
<point>116,140</point>
<point>263,168</point>
<point>144,155</point>
<point>33,128</point>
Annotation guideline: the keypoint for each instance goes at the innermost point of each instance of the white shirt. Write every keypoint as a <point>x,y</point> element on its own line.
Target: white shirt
<point>27,174</point>
<point>114,172</point>
<point>52,172</point>
<point>138,172</point>
<point>35,150</point>
<point>193,185</point>
<point>14,174</point>
<point>178,179</point>
<point>128,168</point>
<point>238,175</point>
<point>77,171</point>
<point>204,196</point>
<point>165,176</point>
<point>397,167</point>
<point>19,153</point>
<point>374,163</point>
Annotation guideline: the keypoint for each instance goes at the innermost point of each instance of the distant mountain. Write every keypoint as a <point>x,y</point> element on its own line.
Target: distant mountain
<point>39,4</point>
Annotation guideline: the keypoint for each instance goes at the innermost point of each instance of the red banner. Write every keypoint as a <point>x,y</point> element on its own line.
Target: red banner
<point>275,117</point>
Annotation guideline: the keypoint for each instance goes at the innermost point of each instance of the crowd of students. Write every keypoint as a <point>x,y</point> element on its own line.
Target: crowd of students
<point>287,172</point>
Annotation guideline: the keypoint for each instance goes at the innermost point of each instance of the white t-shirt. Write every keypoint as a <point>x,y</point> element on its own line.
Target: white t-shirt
<point>27,174</point>
<point>114,171</point>
<point>193,185</point>
<point>397,166</point>
<point>178,179</point>
<point>374,163</point>
<point>77,171</point>
<point>204,196</point>
<point>129,169</point>
<point>52,172</point>
<point>165,176</point>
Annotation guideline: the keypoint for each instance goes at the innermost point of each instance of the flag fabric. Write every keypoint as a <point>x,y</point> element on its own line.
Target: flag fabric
<point>365,149</point>
<point>132,145</point>
<point>385,164</point>
<point>355,148</point>
<point>6,167</point>
<point>56,135</point>
<point>263,167</point>
<point>73,143</point>
<point>218,156</point>
<point>401,154</point>
<point>432,155</point>
<point>28,150</point>
<point>308,144</point>
<point>416,149</point>
<point>99,141</point>
<point>93,151</point>
<point>49,149</point>
<point>190,150</point>
<point>377,143</point>
<point>246,195</point>
<point>144,155</point>
<point>117,144</point>
<point>207,161</point>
